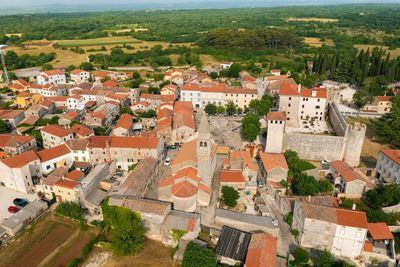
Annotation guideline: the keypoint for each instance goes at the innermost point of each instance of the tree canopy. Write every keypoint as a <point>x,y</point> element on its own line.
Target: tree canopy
<point>229,196</point>
<point>196,256</point>
<point>250,126</point>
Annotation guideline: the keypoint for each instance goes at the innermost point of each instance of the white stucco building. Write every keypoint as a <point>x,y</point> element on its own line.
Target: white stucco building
<point>55,77</point>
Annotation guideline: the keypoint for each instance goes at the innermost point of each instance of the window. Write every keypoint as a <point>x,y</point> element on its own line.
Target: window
<point>289,105</point>
<point>317,107</point>
<point>302,106</point>
<point>290,98</point>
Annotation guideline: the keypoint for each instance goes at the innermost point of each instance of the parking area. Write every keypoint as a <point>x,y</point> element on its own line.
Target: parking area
<point>6,199</point>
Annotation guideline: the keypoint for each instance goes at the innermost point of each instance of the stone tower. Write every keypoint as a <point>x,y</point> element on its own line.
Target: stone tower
<point>275,131</point>
<point>353,141</point>
<point>204,148</point>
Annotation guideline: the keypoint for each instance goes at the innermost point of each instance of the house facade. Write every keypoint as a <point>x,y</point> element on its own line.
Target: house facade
<point>388,166</point>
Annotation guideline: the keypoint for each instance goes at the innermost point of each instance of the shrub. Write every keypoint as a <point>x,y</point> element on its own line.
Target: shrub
<point>70,209</point>
<point>301,256</point>
<point>229,196</point>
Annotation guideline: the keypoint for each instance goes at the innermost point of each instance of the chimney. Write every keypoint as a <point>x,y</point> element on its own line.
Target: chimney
<point>353,207</point>
<point>107,143</point>
<point>299,88</point>
<point>314,93</point>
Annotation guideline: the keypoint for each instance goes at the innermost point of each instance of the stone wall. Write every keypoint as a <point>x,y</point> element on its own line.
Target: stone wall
<point>337,121</point>
<point>315,147</point>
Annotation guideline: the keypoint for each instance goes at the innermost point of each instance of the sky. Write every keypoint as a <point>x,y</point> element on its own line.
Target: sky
<point>32,6</point>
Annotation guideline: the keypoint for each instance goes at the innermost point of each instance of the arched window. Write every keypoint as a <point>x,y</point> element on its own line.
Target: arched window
<point>205,144</point>
<point>201,143</point>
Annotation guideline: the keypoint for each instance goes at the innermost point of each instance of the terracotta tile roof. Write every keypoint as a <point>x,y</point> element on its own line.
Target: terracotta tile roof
<point>318,92</point>
<point>393,155</point>
<point>66,184</point>
<point>81,130</point>
<point>368,246</point>
<point>59,172</point>
<point>262,251</point>
<point>214,88</point>
<point>77,97</point>
<point>289,89</point>
<point>13,140</point>
<point>188,152</point>
<point>141,175</point>
<point>102,74</point>
<point>50,180</point>
<point>77,71</point>
<point>226,62</point>
<point>240,91</point>
<point>345,171</point>
<point>74,175</point>
<point>352,218</point>
<point>247,162</point>
<point>72,114</point>
<point>276,77</point>
<point>188,172</point>
<point>54,152</point>
<point>125,122</point>
<point>271,161</point>
<point>166,123</point>
<point>171,87</point>
<point>56,130</point>
<point>184,189</point>
<point>24,94</point>
<point>117,97</point>
<point>228,176</point>
<point>380,231</point>
<point>384,98</point>
<point>20,160</point>
<point>164,113</point>
<point>77,144</point>
<point>90,104</point>
<point>276,116</point>
<point>46,103</point>
<point>57,98</point>
<point>110,83</point>
<point>190,87</point>
<point>16,86</point>
<point>123,141</point>
<point>53,72</point>
<point>10,114</point>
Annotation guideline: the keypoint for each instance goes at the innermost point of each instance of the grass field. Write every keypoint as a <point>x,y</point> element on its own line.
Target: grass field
<point>51,239</point>
<point>99,41</point>
<point>316,42</point>
<point>313,19</point>
<point>393,53</point>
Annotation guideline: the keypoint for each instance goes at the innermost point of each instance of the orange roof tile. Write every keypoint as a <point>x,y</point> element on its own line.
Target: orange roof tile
<point>54,152</point>
<point>318,92</point>
<point>288,89</point>
<point>368,246</point>
<point>110,83</point>
<point>20,160</point>
<point>184,189</point>
<point>276,115</point>
<point>74,175</point>
<point>72,114</point>
<point>384,98</point>
<point>56,130</point>
<point>352,218</point>
<point>275,77</point>
<point>123,141</point>
<point>188,152</point>
<point>81,130</point>
<point>66,184</point>
<point>380,231</point>
<point>271,161</point>
<point>7,140</point>
<point>125,122</point>
<point>228,176</point>
<point>190,87</point>
<point>261,251</point>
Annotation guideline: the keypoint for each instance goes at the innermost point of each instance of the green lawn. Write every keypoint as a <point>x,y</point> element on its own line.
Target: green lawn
<point>100,41</point>
<point>305,166</point>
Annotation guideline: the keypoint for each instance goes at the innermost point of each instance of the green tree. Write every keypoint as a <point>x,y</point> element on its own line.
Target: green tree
<point>301,256</point>
<point>70,209</point>
<point>305,185</point>
<point>47,66</point>
<point>323,259</point>
<point>210,109</point>
<point>3,126</point>
<point>196,256</point>
<point>264,105</point>
<point>325,186</point>
<point>234,70</point>
<point>250,126</point>
<point>230,108</point>
<point>181,60</point>
<point>86,66</point>
<point>214,75</point>
<point>220,109</point>
<point>229,196</point>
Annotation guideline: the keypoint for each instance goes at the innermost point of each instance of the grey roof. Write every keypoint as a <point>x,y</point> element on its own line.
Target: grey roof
<point>247,218</point>
<point>97,196</point>
<point>24,214</point>
<point>233,243</point>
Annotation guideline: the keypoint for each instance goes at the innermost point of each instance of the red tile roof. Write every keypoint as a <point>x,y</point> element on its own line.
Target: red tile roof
<point>384,98</point>
<point>123,141</point>
<point>77,71</point>
<point>228,176</point>
<point>276,116</point>
<point>13,140</point>
<point>125,122</point>
<point>288,89</point>
<point>56,130</point>
<point>262,251</point>
<point>380,231</point>
<point>191,87</point>
<point>110,83</point>
<point>318,92</point>
<point>184,189</point>
<point>271,161</point>
<point>81,130</point>
<point>188,152</point>
<point>345,171</point>
<point>393,155</point>
<point>66,184</point>
<point>54,152</point>
<point>276,77</point>
<point>368,246</point>
<point>188,172</point>
<point>20,160</point>
<point>352,218</point>
<point>74,175</point>
<point>72,114</point>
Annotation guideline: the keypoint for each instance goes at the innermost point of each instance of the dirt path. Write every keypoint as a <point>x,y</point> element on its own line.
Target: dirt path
<point>60,247</point>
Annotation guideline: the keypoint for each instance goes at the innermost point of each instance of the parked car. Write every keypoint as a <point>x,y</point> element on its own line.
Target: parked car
<point>13,209</point>
<point>260,183</point>
<point>20,202</point>
<point>171,147</point>
<point>167,162</point>
<point>325,164</point>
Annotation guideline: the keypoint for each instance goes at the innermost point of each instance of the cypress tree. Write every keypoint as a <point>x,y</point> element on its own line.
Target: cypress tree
<point>333,66</point>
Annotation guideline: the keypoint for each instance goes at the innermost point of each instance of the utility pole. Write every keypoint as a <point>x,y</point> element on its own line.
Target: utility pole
<point>3,62</point>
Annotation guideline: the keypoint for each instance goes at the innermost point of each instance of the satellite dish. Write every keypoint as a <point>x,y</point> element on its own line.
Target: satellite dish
<point>2,47</point>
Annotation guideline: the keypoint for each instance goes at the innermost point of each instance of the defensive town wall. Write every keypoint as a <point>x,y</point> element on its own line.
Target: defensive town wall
<point>346,145</point>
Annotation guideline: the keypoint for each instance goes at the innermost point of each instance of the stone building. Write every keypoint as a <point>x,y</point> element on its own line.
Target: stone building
<point>388,166</point>
<point>275,126</point>
<point>12,144</point>
<point>54,135</point>
<point>340,231</point>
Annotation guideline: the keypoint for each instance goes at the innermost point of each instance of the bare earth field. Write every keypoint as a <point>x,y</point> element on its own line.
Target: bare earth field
<point>50,241</point>
<point>313,19</point>
<point>316,42</point>
<point>152,254</point>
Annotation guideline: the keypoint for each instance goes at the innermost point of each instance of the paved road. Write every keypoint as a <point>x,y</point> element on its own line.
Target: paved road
<point>149,68</point>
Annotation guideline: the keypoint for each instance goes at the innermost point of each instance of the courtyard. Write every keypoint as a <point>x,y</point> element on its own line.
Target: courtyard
<point>7,196</point>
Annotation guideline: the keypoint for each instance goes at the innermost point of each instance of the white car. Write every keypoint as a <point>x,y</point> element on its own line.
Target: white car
<point>167,162</point>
